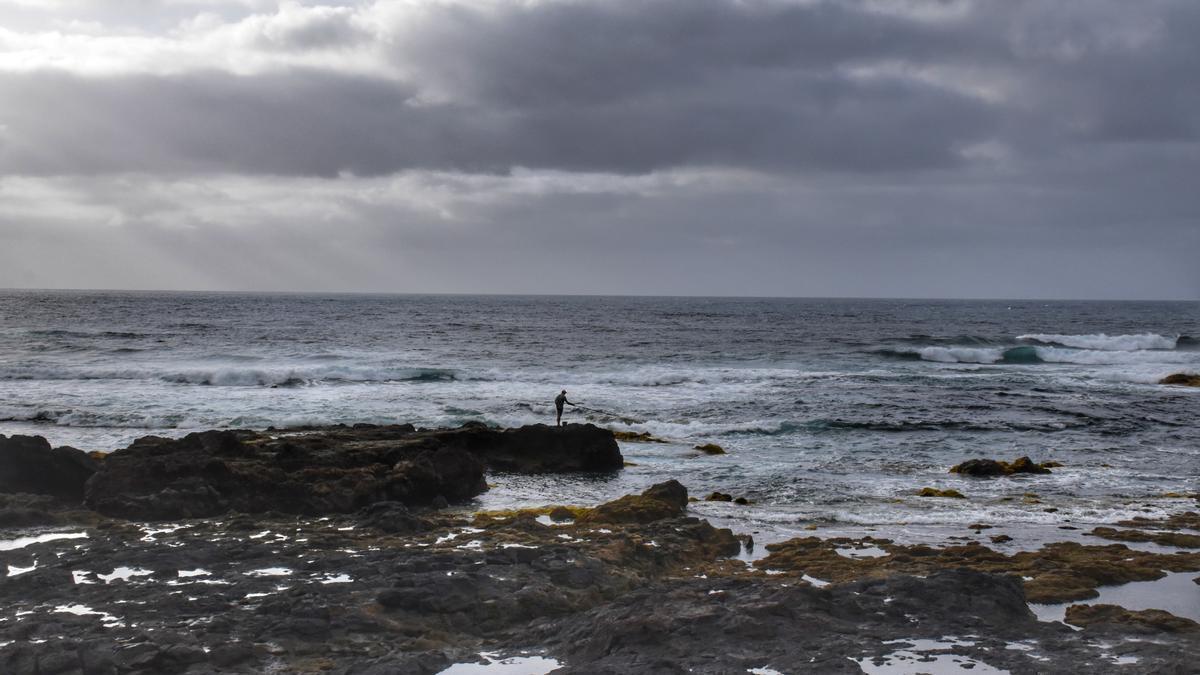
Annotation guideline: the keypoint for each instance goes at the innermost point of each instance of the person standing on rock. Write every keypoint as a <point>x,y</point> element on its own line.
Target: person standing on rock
<point>558,405</point>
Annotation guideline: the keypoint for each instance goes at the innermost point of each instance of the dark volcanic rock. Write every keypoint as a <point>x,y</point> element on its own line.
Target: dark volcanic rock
<point>29,464</point>
<point>539,448</point>
<point>332,470</point>
<point>991,467</point>
<point>209,473</point>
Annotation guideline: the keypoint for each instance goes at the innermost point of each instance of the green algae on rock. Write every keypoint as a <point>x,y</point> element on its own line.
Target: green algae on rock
<point>934,492</point>
<point>1058,572</point>
<point>1088,616</point>
<point>1177,539</point>
<point>665,500</point>
<point>637,437</point>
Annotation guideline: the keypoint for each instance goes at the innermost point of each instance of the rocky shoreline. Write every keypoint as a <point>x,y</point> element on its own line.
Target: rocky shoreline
<point>330,550</point>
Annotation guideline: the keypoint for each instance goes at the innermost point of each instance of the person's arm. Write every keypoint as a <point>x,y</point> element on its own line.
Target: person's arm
<point>568,403</point>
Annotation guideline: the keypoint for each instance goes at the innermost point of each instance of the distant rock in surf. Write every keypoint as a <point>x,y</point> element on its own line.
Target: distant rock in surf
<point>992,467</point>
<point>1185,379</point>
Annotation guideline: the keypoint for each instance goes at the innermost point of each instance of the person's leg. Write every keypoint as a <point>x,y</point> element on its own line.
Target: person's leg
<point>558,418</point>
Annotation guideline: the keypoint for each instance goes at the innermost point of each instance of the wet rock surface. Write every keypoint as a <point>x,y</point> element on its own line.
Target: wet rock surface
<point>992,467</point>
<point>634,585</point>
<point>1057,572</point>
<point>343,594</point>
<point>1184,379</point>
<point>1109,617</point>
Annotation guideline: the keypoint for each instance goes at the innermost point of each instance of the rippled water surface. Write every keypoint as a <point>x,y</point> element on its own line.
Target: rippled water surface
<point>832,411</point>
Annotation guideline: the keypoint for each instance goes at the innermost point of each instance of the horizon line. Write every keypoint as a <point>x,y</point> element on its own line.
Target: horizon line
<point>578,295</point>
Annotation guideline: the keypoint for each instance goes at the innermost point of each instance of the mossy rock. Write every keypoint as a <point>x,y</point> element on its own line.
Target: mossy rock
<point>1184,379</point>
<point>637,437</point>
<point>933,492</point>
<point>661,501</point>
<point>1176,539</point>
<point>555,513</point>
<point>1154,619</point>
<point>711,449</point>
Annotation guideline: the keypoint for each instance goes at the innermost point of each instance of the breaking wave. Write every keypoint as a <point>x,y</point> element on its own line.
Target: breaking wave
<point>1103,342</point>
<point>1028,354</point>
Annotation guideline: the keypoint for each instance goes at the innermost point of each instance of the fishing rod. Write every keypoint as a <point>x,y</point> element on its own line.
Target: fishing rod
<point>607,413</point>
<point>624,418</point>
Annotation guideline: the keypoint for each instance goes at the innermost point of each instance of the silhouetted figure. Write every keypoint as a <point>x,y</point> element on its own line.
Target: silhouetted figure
<point>558,405</point>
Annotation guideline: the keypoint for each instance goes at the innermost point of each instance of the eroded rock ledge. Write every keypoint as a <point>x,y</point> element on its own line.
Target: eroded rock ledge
<point>310,472</point>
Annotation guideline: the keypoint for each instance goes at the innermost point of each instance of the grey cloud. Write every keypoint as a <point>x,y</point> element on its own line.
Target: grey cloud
<point>316,123</point>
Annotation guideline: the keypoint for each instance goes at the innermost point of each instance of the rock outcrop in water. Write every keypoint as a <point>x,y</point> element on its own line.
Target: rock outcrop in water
<point>28,464</point>
<point>992,467</point>
<point>332,470</point>
<point>1185,379</point>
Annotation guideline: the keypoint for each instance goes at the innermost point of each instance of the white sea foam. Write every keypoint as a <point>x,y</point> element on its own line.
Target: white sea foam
<point>1027,354</point>
<point>1108,357</point>
<point>1105,342</point>
<point>961,354</point>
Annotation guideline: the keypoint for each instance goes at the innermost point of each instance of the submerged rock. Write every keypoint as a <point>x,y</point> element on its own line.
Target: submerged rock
<point>1177,539</point>
<point>711,449</point>
<point>934,492</point>
<point>28,464</point>
<point>637,437</point>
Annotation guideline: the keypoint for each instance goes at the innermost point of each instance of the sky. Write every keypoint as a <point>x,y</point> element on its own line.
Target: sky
<point>869,148</point>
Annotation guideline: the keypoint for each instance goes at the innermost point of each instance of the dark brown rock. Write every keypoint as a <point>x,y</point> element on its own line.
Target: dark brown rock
<point>992,467</point>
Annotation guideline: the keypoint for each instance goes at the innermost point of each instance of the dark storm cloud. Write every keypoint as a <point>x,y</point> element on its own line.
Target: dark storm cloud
<point>631,87</point>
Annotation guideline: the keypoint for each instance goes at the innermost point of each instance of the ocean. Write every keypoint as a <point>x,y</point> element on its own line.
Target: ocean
<point>833,412</point>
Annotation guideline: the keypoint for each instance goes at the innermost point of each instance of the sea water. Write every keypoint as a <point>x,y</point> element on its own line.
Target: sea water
<point>832,412</point>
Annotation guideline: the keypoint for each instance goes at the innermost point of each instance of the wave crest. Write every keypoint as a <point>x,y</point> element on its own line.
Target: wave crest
<point>1104,342</point>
